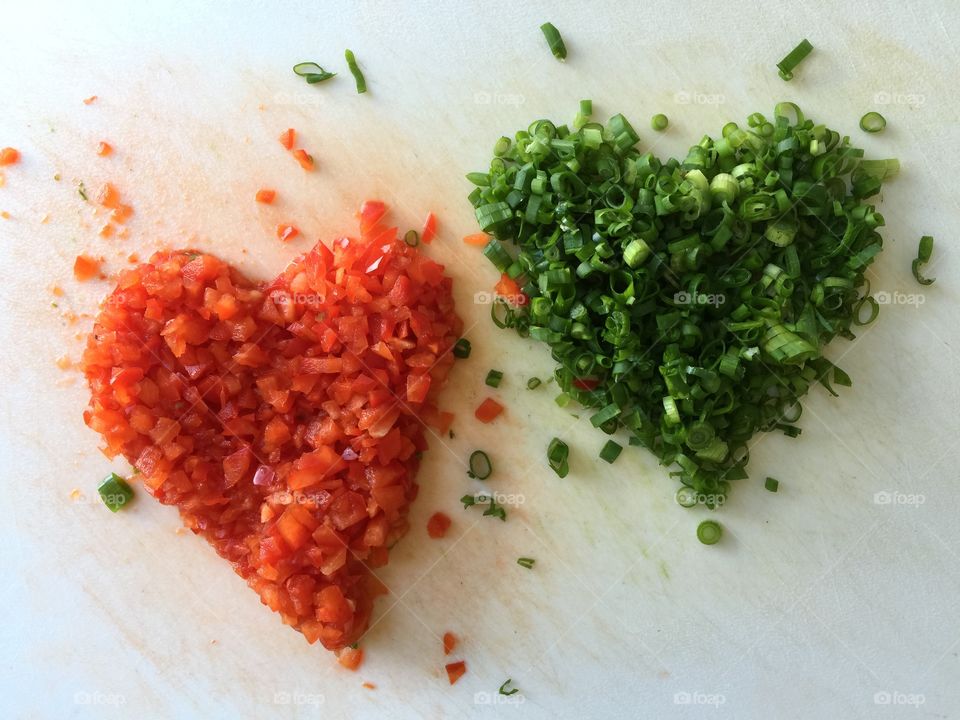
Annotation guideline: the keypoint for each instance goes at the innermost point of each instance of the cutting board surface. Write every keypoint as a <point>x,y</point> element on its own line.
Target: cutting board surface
<point>823,600</point>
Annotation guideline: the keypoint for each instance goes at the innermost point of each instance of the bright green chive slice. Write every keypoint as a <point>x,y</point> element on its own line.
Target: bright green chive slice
<point>924,253</point>
<point>557,46</point>
<point>873,122</point>
<point>312,73</point>
<point>686,496</point>
<point>771,484</point>
<point>794,58</point>
<point>709,532</point>
<point>462,349</point>
<point>115,492</point>
<point>611,451</point>
<point>480,465</point>
<point>412,238</point>
<point>355,71</point>
<point>493,378</point>
<point>503,688</point>
<point>527,563</point>
<point>533,383</point>
<point>558,453</point>
<point>659,122</point>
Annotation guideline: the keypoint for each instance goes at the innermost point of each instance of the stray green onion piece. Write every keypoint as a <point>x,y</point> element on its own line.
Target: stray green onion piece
<point>493,510</point>
<point>511,691</point>
<point>659,122</point>
<point>311,72</point>
<point>115,492</point>
<point>527,563</point>
<point>557,46</point>
<point>480,465</point>
<point>493,378</point>
<point>924,252</point>
<point>794,58</point>
<point>709,532</point>
<point>873,122</point>
<point>462,349</point>
<point>412,238</point>
<point>355,71</point>
<point>771,484</point>
<point>533,383</point>
<point>611,451</point>
<point>557,455</point>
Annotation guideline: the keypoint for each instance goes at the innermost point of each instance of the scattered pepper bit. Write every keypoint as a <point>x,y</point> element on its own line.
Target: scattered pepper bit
<point>104,148</point>
<point>449,642</point>
<point>107,196</point>
<point>57,291</point>
<point>488,410</point>
<point>90,100</point>
<point>287,137</point>
<point>64,362</point>
<point>369,686</point>
<point>44,219</point>
<point>266,196</point>
<point>429,229</point>
<point>287,232</point>
<point>477,239</point>
<point>75,494</point>
<point>106,231</point>
<point>456,670</point>
<point>121,213</point>
<point>9,156</point>
<point>350,657</point>
<point>5,215</point>
<point>85,267</point>
<point>305,159</point>
<point>438,524</point>
<point>133,258</point>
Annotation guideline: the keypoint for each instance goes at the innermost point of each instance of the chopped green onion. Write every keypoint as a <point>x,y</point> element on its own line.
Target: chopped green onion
<point>794,58</point>
<point>924,253</point>
<point>412,238</point>
<point>311,72</point>
<point>461,349</point>
<point>771,484</point>
<point>659,122</point>
<point>493,378</point>
<point>468,501</point>
<point>82,191</point>
<point>115,492</point>
<point>355,71</point>
<point>480,465</point>
<point>495,510</point>
<point>533,383</point>
<point>873,122</point>
<point>709,532</point>
<point>611,451</point>
<point>526,562</point>
<point>557,46</point>
<point>557,454</point>
<point>503,688</point>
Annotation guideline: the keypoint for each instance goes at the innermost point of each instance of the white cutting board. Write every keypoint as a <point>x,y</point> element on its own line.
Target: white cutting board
<point>819,603</point>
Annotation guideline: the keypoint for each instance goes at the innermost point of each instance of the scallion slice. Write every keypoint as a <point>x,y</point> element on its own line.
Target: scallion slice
<point>412,238</point>
<point>659,122</point>
<point>924,253</point>
<point>771,484</point>
<point>611,451</point>
<point>533,383</point>
<point>493,378</point>
<point>312,73</point>
<point>525,562</point>
<point>873,122</point>
<point>461,349</point>
<point>794,58</point>
<point>557,46</point>
<point>557,455</point>
<point>709,532</point>
<point>115,492</point>
<point>480,465</point>
<point>355,71</point>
